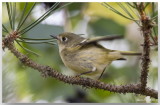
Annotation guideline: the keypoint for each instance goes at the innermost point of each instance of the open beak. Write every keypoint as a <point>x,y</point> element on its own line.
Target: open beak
<point>54,36</point>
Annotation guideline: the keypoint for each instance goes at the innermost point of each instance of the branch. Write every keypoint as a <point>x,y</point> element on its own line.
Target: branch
<point>146,32</point>
<point>47,71</point>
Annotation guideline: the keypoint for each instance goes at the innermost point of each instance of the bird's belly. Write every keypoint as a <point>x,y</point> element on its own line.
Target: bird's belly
<point>84,61</point>
<point>77,63</point>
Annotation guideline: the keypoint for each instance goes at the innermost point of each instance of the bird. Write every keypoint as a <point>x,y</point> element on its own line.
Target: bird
<point>85,56</point>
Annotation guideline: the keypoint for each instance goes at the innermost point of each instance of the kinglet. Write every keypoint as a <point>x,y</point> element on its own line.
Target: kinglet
<point>86,56</point>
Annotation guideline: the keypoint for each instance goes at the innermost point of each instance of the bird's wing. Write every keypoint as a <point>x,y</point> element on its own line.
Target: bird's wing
<point>97,39</point>
<point>86,42</point>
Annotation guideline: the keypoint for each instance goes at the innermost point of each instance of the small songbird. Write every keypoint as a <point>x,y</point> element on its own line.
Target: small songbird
<point>86,56</point>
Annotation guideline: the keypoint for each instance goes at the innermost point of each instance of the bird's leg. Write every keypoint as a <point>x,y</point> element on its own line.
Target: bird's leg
<point>101,73</point>
<point>93,70</point>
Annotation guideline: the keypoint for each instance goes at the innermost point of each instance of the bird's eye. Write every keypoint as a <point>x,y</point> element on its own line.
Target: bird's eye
<point>64,39</point>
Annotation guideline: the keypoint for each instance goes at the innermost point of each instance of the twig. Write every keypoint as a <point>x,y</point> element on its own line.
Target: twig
<point>146,31</point>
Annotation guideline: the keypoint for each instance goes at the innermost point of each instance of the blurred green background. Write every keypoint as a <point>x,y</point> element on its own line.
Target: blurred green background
<point>23,84</point>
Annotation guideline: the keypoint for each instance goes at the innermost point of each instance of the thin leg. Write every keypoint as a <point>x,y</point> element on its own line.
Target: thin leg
<point>101,73</point>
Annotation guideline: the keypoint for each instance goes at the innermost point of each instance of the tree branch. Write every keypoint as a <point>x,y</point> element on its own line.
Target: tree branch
<point>146,27</point>
<point>47,71</point>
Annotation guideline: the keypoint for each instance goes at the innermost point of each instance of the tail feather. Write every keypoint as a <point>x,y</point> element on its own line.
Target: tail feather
<point>130,53</point>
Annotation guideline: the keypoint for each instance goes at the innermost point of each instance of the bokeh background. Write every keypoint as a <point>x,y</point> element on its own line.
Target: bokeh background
<point>22,84</point>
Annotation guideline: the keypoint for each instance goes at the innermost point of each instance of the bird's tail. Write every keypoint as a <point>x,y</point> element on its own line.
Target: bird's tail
<point>130,53</point>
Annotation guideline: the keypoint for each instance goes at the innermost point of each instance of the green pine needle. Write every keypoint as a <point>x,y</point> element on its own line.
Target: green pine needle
<point>22,16</point>
<point>14,15</point>
<point>131,8</point>
<point>37,42</point>
<point>38,20</point>
<point>116,11</point>
<point>26,16</point>
<point>44,16</point>
<point>4,28</point>
<point>131,5</point>
<point>125,10</point>
<point>146,5</point>
<point>9,14</point>
<point>27,49</point>
<point>36,39</point>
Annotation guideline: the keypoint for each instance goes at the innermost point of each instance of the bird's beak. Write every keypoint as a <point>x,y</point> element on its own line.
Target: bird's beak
<point>54,36</point>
